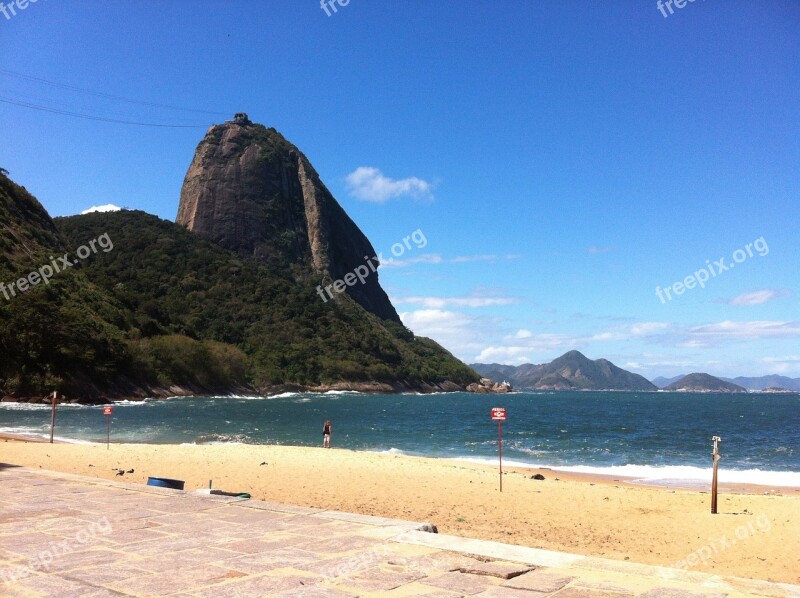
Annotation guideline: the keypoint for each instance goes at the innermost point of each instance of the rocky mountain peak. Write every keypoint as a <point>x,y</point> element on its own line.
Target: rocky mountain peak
<point>250,190</point>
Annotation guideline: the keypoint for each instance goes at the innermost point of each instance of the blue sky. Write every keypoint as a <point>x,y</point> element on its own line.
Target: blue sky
<point>563,159</point>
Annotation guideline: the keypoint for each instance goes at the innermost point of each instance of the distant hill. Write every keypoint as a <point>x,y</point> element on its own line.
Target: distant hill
<point>764,382</point>
<point>571,371</point>
<point>704,383</point>
<point>662,382</point>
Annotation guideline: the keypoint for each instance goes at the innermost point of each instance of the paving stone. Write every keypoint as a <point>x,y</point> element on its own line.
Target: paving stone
<point>418,590</point>
<point>437,562</point>
<point>501,592</point>
<point>256,586</point>
<point>583,592</point>
<point>501,569</point>
<point>179,578</point>
<point>538,581</point>
<point>314,592</point>
<point>182,559</point>
<point>379,579</point>
<point>99,575</point>
<point>337,544</point>
<point>127,537</point>
<point>50,585</point>
<point>614,591</point>
<point>465,583</point>
<point>345,566</point>
<point>673,593</point>
<point>83,558</point>
<point>272,559</point>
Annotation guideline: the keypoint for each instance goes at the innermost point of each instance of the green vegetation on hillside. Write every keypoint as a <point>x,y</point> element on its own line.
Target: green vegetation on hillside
<point>175,283</point>
<point>166,308</point>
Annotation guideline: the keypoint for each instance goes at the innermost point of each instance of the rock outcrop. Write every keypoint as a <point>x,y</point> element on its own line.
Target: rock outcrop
<point>486,386</point>
<point>251,191</point>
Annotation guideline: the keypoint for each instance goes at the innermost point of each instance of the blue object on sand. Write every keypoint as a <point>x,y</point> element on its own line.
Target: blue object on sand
<point>166,483</point>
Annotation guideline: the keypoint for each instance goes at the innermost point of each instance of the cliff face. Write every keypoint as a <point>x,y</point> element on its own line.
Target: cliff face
<point>251,191</point>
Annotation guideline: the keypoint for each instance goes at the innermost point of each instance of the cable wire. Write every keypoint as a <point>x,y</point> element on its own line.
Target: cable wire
<point>6,100</point>
<point>104,95</point>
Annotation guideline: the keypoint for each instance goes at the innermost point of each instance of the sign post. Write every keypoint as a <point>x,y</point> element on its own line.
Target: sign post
<point>499,415</point>
<point>107,412</point>
<point>716,457</point>
<point>53,396</point>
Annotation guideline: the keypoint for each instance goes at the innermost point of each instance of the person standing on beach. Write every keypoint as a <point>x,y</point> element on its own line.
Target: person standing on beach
<point>327,430</point>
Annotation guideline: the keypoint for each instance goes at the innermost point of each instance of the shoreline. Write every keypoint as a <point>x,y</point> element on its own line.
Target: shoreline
<point>369,388</point>
<point>596,478</point>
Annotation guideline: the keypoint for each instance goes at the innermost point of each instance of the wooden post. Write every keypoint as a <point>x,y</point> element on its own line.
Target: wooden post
<point>500,448</point>
<point>54,396</point>
<point>716,457</point>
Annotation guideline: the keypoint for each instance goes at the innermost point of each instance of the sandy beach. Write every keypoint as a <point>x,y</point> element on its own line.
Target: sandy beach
<point>754,535</point>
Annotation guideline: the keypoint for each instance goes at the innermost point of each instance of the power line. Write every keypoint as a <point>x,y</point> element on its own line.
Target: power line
<point>6,100</point>
<point>104,95</point>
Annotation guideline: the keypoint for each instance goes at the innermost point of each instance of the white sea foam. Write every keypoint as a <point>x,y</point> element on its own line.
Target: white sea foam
<point>42,407</point>
<point>392,451</point>
<point>675,474</point>
<point>39,432</point>
<point>668,475</point>
<point>139,402</point>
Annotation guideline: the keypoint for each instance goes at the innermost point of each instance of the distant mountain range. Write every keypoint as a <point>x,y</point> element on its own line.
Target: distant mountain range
<point>750,383</point>
<point>571,371</point>
<point>574,371</point>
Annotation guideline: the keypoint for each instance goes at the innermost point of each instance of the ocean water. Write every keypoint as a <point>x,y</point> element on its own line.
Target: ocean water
<point>653,437</point>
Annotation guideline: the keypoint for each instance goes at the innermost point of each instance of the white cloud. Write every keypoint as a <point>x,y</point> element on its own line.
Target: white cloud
<point>523,333</point>
<point>729,330</point>
<point>505,355</point>
<point>109,207</point>
<point>462,334</point>
<point>788,365</point>
<point>648,328</point>
<point>426,258</point>
<point>437,258</point>
<point>370,184</point>
<point>758,297</point>
<point>468,301</point>
<point>595,250</point>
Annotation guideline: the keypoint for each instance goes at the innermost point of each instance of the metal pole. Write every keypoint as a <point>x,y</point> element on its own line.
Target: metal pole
<point>108,431</point>
<point>716,457</point>
<point>500,446</point>
<point>53,416</point>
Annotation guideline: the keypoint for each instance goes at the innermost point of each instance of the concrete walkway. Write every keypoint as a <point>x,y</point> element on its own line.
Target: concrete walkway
<point>63,535</point>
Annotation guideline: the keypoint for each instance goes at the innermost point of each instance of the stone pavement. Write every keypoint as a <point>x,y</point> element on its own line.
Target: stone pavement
<point>64,535</point>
